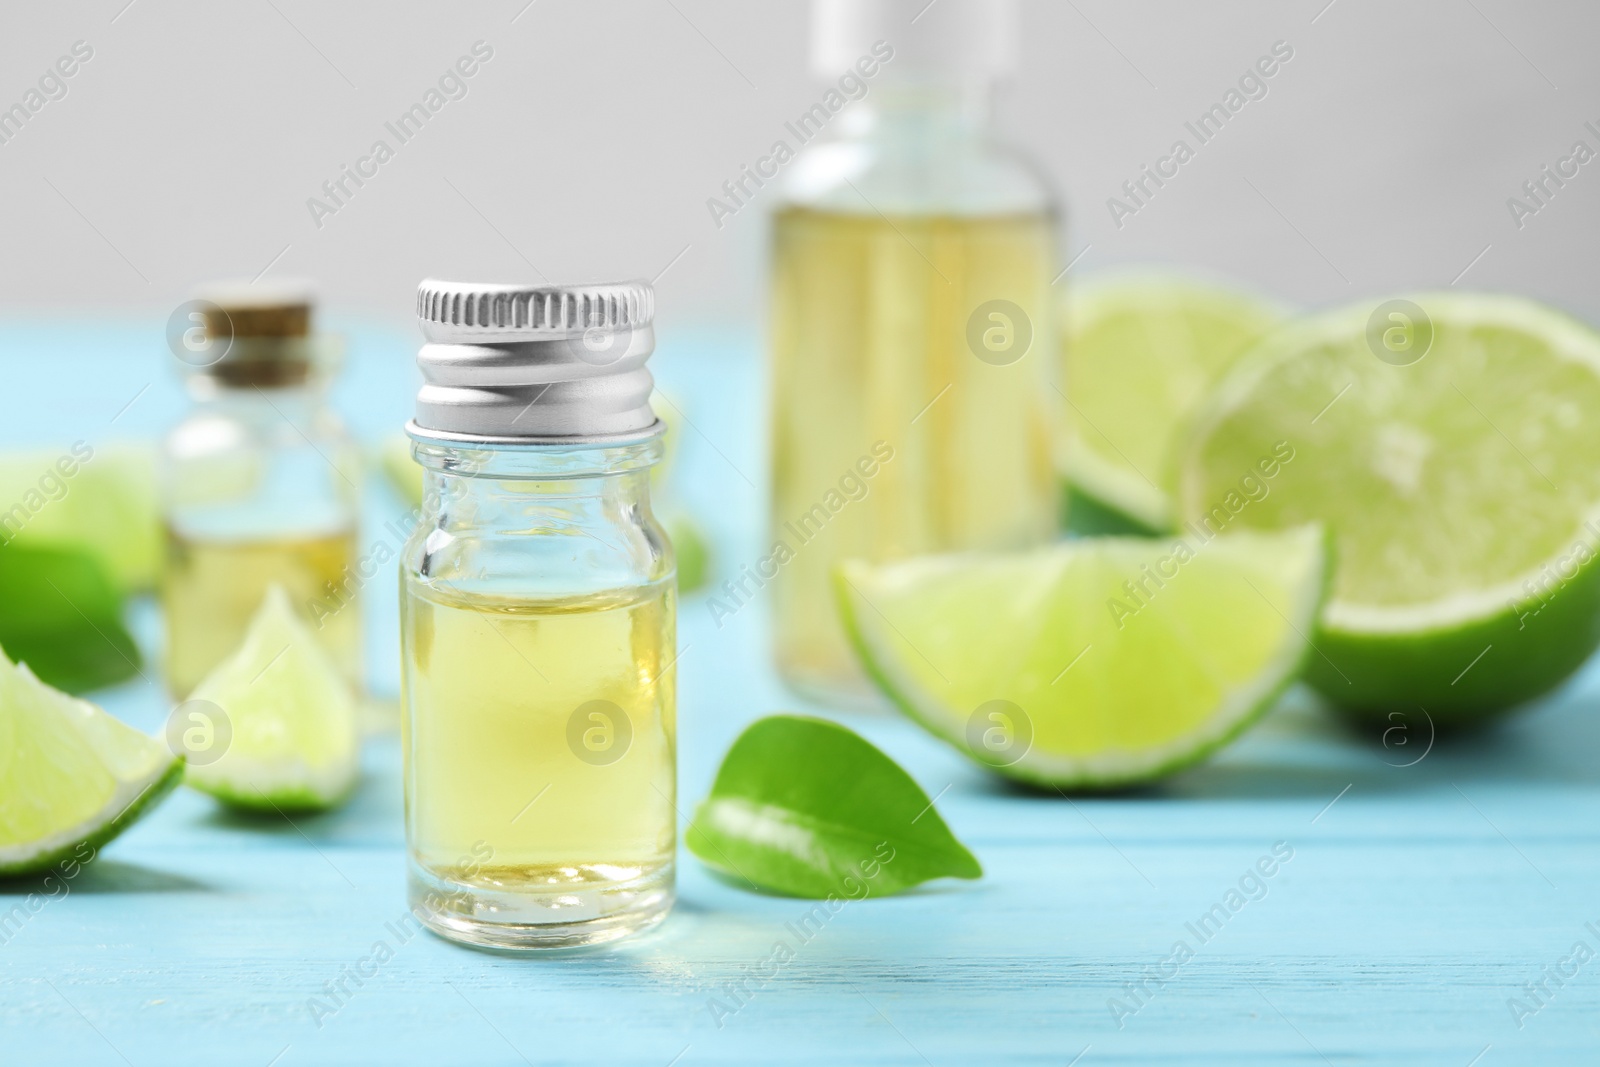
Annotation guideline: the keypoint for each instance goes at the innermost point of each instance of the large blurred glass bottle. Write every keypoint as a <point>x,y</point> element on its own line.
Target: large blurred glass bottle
<point>913,404</point>
<point>259,484</point>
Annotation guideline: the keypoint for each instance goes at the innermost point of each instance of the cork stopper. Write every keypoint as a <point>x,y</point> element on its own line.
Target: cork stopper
<point>282,320</point>
<point>267,325</point>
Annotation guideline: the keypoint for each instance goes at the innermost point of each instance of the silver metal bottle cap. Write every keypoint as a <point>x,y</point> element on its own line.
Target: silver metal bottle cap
<point>535,364</point>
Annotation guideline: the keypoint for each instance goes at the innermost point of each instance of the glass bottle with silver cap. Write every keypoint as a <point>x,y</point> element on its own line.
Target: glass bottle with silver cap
<point>538,621</point>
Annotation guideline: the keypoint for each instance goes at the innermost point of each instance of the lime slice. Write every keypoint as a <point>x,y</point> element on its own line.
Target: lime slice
<point>1141,350</point>
<point>1448,442</point>
<point>1093,663</point>
<point>71,776</point>
<point>282,725</point>
<point>100,499</point>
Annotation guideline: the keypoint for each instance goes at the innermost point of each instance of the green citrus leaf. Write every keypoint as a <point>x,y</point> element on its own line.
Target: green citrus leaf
<point>806,808</point>
<point>62,616</point>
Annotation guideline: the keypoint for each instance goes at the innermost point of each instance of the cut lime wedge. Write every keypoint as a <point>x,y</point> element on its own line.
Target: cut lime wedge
<point>98,499</point>
<point>1094,663</point>
<point>280,725</point>
<point>1141,350</point>
<point>1448,442</point>
<point>71,776</point>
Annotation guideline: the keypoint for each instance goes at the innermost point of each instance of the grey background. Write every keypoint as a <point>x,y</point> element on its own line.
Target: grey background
<point>1381,159</point>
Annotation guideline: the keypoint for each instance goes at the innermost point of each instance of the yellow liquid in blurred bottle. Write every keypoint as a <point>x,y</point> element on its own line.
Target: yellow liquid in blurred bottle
<point>877,325</point>
<point>541,746</point>
<point>212,588</point>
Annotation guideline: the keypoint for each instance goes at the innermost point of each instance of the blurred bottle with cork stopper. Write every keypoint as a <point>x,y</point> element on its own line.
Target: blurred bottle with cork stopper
<point>259,481</point>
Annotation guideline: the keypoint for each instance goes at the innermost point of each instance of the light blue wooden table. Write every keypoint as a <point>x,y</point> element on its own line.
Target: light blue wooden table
<point>1419,900</point>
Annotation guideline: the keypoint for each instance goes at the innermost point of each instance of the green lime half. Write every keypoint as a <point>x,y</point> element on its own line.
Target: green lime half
<point>71,776</point>
<point>1141,350</point>
<point>288,733</point>
<point>1094,663</point>
<point>1449,443</point>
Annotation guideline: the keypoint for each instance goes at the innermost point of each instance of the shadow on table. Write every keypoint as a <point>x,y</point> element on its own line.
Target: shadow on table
<point>1306,749</point>
<point>106,876</point>
<point>299,824</point>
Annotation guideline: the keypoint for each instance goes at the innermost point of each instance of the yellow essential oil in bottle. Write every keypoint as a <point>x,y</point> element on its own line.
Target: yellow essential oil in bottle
<point>259,484</point>
<point>213,587</point>
<point>877,388</point>
<point>493,683</point>
<point>914,403</point>
<point>538,622</point>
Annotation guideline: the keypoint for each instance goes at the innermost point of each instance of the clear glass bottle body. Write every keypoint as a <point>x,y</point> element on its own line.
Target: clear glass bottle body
<point>259,487</point>
<point>914,401</point>
<point>539,724</point>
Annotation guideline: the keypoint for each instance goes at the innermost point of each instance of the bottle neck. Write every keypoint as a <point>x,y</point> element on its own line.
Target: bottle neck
<point>921,112</point>
<point>573,464</point>
<point>917,149</point>
<point>526,479</point>
<point>298,402</point>
<point>538,519</point>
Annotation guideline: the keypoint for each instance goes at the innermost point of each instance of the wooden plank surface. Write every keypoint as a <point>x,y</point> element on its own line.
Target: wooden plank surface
<point>1418,901</point>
